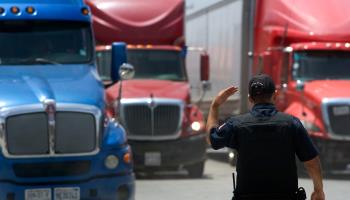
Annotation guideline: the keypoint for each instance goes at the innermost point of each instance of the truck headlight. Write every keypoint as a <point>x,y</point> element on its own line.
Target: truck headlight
<point>196,126</point>
<point>111,162</point>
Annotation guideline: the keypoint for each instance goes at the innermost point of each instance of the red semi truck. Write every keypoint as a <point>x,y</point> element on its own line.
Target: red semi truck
<point>304,46</point>
<point>165,130</point>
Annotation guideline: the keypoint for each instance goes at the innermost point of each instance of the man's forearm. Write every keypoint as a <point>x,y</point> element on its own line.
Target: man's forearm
<point>314,169</point>
<point>213,118</point>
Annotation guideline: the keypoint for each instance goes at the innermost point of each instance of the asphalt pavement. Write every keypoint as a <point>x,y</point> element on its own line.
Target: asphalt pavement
<point>216,184</point>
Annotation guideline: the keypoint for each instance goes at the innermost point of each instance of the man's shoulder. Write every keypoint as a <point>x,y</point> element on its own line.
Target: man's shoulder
<point>292,120</point>
<point>248,117</point>
<point>282,115</point>
<point>240,118</point>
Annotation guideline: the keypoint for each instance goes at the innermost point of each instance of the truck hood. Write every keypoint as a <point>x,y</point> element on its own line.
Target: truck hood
<point>76,84</point>
<point>328,89</point>
<point>155,88</point>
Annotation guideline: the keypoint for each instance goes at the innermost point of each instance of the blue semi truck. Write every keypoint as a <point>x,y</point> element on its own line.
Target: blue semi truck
<point>56,141</point>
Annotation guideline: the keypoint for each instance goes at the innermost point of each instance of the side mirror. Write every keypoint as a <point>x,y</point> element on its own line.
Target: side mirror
<point>119,57</point>
<point>205,68</point>
<point>126,71</point>
<point>205,71</point>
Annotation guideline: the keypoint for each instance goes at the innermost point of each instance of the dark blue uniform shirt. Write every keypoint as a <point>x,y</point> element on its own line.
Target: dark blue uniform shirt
<point>266,149</point>
<point>222,136</point>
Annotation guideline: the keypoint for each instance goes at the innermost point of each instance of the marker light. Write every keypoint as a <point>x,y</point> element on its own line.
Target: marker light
<point>111,162</point>
<point>127,158</point>
<point>196,126</point>
<point>30,10</point>
<point>85,11</point>
<point>2,10</point>
<point>15,10</point>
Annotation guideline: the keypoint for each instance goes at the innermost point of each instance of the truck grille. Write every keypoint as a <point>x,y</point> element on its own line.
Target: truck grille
<point>166,119</point>
<point>339,119</point>
<point>143,120</point>
<point>28,134</point>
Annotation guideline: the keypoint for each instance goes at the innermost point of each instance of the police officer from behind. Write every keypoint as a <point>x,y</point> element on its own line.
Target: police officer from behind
<point>266,142</point>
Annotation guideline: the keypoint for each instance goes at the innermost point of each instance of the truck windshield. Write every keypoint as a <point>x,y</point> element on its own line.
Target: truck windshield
<point>320,65</point>
<point>157,64</point>
<point>45,42</point>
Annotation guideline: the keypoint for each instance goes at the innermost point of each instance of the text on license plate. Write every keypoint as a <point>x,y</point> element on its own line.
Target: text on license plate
<point>153,159</point>
<point>72,193</point>
<point>38,194</point>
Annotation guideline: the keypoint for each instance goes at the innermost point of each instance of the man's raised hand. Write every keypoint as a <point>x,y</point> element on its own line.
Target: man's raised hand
<point>224,95</point>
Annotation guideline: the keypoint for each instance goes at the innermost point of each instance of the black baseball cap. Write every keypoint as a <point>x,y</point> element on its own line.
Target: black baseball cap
<point>260,85</point>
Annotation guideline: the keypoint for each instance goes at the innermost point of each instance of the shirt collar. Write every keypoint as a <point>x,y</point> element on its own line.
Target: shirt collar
<point>263,110</point>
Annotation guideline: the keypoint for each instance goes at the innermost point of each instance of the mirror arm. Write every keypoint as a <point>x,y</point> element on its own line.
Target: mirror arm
<point>119,98</point>
<point>206,85</point>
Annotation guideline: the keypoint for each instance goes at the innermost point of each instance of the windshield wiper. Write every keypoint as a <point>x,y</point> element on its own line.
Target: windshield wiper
<point>35,61</point>
<point>46,61</point>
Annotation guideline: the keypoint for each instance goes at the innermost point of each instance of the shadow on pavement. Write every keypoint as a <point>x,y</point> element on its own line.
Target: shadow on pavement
<point>221,157</point>
<point>166,175</point>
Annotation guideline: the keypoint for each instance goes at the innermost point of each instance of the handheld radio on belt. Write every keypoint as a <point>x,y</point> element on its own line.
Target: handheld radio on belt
<point>300,194</point>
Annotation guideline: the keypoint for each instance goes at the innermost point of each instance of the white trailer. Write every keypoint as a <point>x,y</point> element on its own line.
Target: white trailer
<point>216,25</point>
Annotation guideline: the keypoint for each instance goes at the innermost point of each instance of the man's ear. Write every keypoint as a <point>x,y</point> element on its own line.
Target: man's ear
<point>251,100</point>
<point>274,96</point>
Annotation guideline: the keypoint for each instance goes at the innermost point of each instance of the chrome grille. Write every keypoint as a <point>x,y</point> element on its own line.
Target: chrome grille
<point>75,133</point>
<point>27,131</point>
<point>27,134</point>
<point>152,118</point>
<point>138,119</point>
<point>166,119</point>
<point>336,115</point>
<point>339,118</point>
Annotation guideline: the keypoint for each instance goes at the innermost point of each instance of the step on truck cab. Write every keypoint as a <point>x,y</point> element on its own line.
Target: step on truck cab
<point>56,140</point>
<point>165,130</point>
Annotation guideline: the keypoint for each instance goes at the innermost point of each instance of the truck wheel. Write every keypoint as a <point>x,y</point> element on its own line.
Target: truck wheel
<point>196,170</point>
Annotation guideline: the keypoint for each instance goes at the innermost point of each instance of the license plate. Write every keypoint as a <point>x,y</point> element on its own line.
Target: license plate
<point>153,159</point>
<point>38,194</point>
<point>67,193</point>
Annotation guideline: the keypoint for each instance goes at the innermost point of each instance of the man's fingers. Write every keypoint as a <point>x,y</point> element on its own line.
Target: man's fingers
<point>224,95</point>
<point>230,91</point>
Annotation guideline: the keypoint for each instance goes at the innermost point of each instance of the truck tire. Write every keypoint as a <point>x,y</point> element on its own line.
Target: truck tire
<point>196,170</point>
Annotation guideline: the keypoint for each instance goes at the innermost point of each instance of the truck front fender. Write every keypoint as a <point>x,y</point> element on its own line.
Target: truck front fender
<point>310,119</point>
<point>114,135</point>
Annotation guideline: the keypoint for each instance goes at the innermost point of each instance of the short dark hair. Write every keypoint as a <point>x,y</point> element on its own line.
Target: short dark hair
<point>261,87</point>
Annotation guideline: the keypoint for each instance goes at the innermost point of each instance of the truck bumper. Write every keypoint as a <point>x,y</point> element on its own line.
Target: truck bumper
<point>334,154</point>
<point>104,187</point>
<point>171,153</point>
